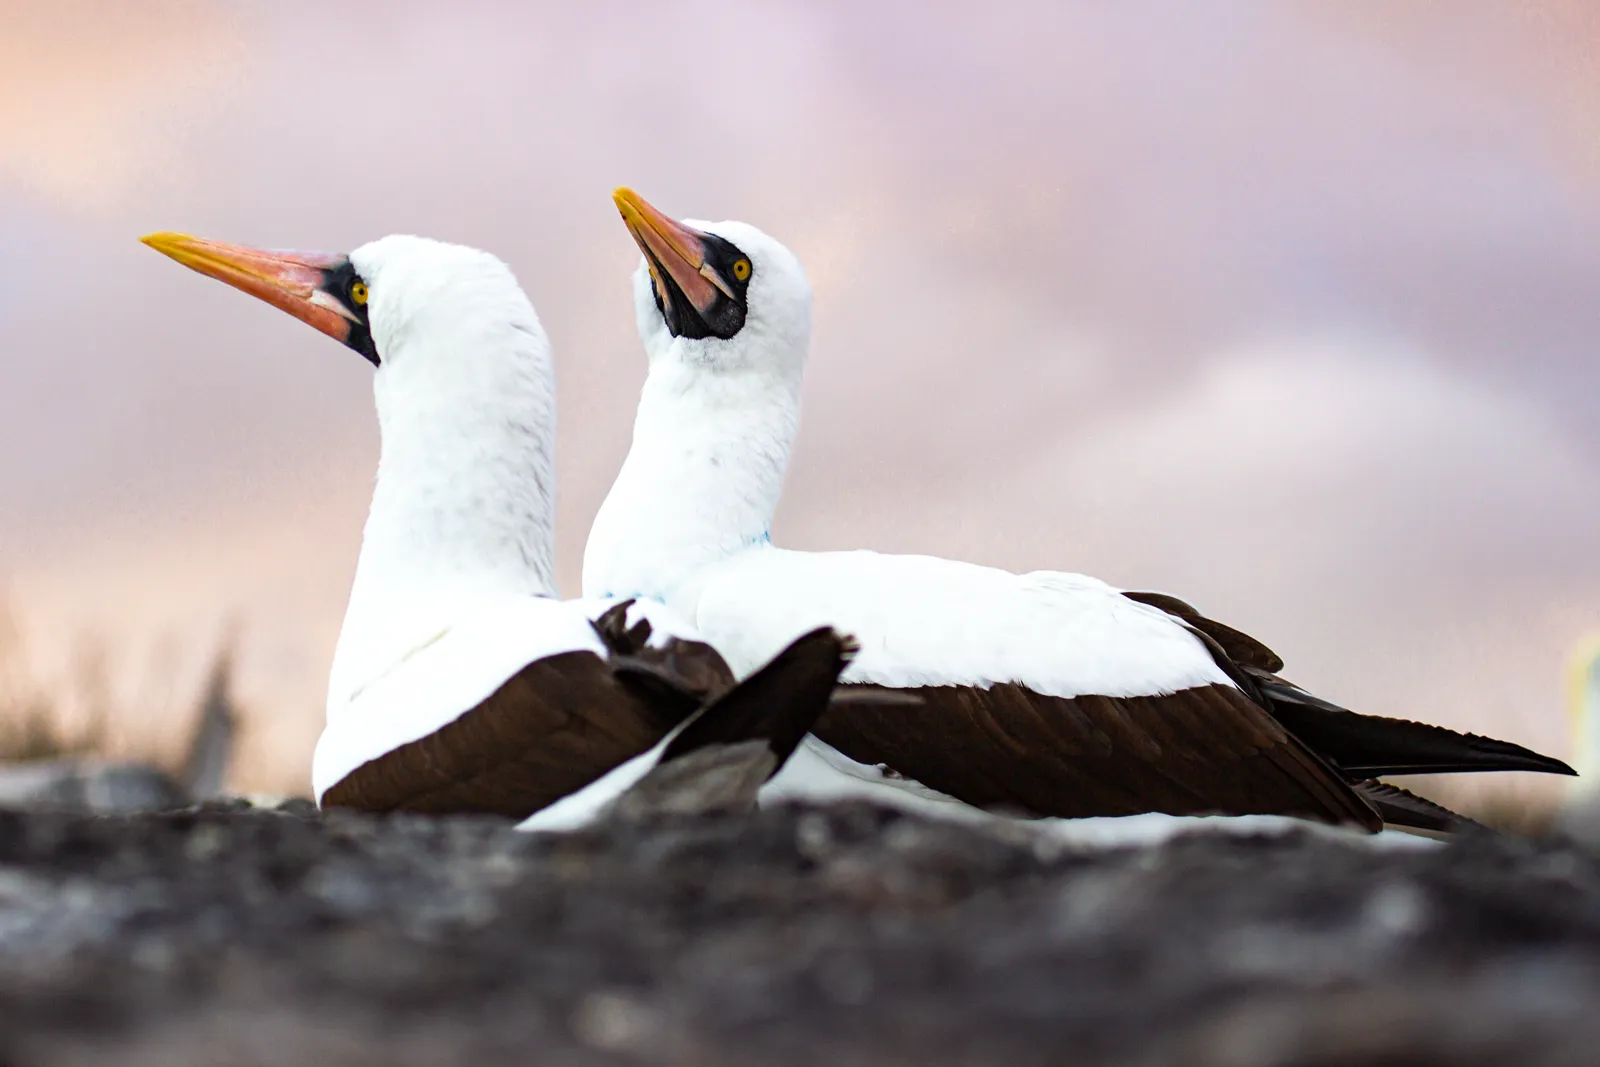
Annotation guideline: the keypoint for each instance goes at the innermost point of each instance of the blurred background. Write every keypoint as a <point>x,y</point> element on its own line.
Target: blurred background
<point>1287,308</point>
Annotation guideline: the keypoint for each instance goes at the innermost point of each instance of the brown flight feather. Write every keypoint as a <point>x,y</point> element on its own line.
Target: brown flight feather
<point>557,725</point>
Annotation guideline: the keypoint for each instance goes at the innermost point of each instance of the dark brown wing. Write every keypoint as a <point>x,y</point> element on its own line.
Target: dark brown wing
<point>1401,808</point>
<point>719,761</point>
<point>1239,647</point>
<point>1359,746</point>
<point>1204,750</point>
<point>557,725</point>
<point>690,671</point>
<point>777,704</point>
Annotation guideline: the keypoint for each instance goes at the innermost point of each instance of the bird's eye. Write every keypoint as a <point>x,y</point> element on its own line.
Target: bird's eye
<point>358,292</point>
<point>741,269</point>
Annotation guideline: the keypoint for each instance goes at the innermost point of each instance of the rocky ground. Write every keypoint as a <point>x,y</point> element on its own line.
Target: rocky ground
<point>836,937</point>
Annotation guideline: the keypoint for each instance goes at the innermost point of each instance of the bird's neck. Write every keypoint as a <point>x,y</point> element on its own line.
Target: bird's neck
<point>701,481</point>
<point>463,508</point>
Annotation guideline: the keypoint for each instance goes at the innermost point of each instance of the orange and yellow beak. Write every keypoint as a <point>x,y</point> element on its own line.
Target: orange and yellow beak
<point>673,251</point>
<point>296,282</point>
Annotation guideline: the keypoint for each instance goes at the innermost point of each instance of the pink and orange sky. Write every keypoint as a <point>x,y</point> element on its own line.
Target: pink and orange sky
<point>1288,308</point>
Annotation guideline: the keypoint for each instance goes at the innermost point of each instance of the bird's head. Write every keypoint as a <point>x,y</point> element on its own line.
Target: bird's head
<point>381,299</point>
<point>723,294</point>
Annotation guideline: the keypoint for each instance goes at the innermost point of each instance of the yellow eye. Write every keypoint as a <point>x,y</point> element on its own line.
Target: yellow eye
<point>741,270</point>
<point>358,292</point>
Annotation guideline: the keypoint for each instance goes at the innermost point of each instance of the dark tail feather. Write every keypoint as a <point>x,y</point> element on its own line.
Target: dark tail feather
<point>719,761</point>
<point>777,704</point>
<point>1367,746</point>
<point>1401,808</point>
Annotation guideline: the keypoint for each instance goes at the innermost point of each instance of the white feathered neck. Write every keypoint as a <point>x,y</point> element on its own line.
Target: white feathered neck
<point>711,440</point>
<point>463,507</point>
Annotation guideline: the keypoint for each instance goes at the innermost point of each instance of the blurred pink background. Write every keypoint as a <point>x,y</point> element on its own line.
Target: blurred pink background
<point>1288,308</point>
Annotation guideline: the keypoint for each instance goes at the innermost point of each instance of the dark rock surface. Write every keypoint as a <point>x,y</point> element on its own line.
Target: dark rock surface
<point>89,786</point>
<point>840,937</point>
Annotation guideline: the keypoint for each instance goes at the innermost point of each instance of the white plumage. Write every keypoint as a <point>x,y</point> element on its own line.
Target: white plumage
<point>927,621</point>
<point>688,523</point>
<point>460,682</point>
<point>454,589</point>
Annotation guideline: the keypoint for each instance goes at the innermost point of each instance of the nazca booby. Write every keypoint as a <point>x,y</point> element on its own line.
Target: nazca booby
<point>1045,694</point>
<point>460,682</point>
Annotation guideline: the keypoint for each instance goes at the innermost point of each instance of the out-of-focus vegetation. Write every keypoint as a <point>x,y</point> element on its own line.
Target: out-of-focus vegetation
<point>77,713</point>
<point>33,722</point>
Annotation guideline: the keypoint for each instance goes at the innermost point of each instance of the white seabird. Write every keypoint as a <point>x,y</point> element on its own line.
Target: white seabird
<point>460,682</point>
<point>1044,694</point>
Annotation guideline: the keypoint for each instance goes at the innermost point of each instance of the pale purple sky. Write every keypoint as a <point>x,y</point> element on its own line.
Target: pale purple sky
<point>1287,308</point>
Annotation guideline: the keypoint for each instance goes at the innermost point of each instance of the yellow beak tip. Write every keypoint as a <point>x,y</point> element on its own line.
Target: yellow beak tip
<point>164,239</point>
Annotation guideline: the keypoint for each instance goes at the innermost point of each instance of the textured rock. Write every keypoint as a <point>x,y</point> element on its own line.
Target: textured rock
<point>89,785</point>
<point>839,936</point>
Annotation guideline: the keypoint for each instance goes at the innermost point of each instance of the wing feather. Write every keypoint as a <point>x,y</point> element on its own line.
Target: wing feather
<point>557,725</point>
<point>1198,751</point>
<point>1048,693</point>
